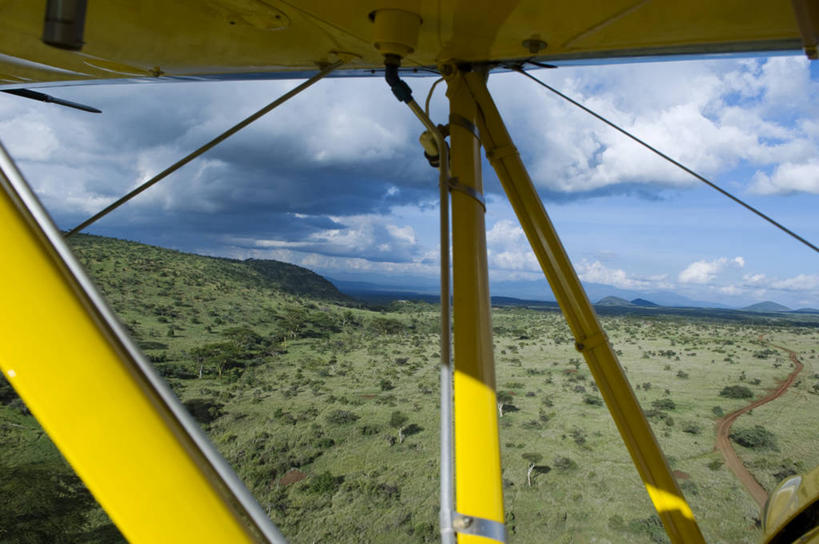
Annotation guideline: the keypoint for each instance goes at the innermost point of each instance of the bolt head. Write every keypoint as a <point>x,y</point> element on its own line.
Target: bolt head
<point>534,45</point>
<point>462,522</point>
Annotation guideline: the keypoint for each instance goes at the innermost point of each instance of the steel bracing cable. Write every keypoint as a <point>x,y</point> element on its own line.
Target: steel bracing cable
<point>775,223</point>
<point>447,467</point>
<point>429,95</point>
<point>214,142</point>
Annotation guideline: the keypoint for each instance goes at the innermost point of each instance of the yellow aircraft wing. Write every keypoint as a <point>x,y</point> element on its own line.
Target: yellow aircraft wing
<point>233,38</point>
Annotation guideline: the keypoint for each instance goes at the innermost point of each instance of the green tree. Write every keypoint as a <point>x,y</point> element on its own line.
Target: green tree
<point>49,505</point>
<point>397,421</point>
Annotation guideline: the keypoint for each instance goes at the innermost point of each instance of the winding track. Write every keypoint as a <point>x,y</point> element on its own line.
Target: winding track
<point>723,442</point>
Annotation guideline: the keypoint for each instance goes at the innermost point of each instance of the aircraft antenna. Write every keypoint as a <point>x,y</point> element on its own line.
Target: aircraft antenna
<point>775,223</point>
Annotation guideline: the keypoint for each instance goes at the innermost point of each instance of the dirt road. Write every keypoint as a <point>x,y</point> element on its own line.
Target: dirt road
<point>732,461</point>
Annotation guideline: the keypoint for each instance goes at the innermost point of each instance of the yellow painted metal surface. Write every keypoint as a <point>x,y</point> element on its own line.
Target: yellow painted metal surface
<point>791,498</point>
<point>95,405</point>
<point>478,486</point>
<point>147,38</point>
<point>591,339</point>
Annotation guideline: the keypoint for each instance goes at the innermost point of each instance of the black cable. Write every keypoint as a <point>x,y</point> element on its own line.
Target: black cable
<point>399,87</point>
<point>42,97</point>
<point>669,159</point>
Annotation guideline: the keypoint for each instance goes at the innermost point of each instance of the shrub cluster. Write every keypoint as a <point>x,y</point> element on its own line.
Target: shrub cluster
<point>736,392</point>
<point>757,437</point>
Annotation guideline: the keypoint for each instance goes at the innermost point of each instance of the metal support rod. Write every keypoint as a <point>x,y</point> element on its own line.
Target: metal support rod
<point>590,338</point>
<point>478,486</point>
<point>447,495</point>
<point>213,143</point>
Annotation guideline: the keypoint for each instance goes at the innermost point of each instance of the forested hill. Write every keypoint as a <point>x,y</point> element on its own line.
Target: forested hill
<point>114,261</point>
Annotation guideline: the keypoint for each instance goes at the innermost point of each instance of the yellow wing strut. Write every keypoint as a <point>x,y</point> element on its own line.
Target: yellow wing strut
<point>119,427</point>
<point>591,341</point>
<point>478,489</point>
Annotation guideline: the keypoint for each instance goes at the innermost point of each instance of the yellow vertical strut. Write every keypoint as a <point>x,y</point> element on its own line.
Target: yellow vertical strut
<point>64,354</point>
<point>478,487</point>
<point>590,339</point>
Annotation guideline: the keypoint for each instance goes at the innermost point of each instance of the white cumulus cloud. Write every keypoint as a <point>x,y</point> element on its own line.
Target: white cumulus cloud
<point>597,272</point>
<point>802,282</point>
<point>789,178</point>
<point>706,271</point>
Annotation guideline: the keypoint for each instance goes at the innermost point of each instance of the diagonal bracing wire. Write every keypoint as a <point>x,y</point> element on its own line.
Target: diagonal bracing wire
<point>778,225</point>
<point>219,139</point>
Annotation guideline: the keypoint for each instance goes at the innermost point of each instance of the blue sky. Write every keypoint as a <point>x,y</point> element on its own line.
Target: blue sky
<point>335,180</point>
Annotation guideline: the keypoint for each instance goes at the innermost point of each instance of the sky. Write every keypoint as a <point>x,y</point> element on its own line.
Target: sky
<point>335,180</point>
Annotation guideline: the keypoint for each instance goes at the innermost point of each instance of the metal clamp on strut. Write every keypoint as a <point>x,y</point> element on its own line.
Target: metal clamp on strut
<point>453,185</point>
<point>471,525</point>
<point>463,122</point>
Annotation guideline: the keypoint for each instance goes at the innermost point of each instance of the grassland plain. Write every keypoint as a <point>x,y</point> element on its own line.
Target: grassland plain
<point>328,410</point>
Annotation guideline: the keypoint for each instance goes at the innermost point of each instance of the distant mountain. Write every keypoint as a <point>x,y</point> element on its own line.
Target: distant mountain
<point>806,311</point>
<point>766,307</point>
<point>352,287</point>
<point>613,301</point>
<point>533,304</point>
<point>644,303</point>
<point>540,290</point>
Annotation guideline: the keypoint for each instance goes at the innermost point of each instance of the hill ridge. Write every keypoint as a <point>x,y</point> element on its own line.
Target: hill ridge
<point>766,306</point>
<point>285,277</point>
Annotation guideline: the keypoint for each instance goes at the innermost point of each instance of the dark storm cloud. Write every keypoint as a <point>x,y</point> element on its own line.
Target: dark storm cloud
<point>332,151</point>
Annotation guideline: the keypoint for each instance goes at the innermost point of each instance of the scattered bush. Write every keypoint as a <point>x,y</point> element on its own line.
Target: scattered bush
<point>204,410</point>
<point>412,429</point>
<point>369,430</point>
<point>651,527</point>
<point>397,419</point>
<point>7,393</point>
<point>757,437</point>
<point>564,463</point>
<point>664,404</point>
<point>689,488</point>
<point>579,436</point>
<point>784,471</point>
<point>324,484</point>
<point>44,504</point>
<point>736,392</point>
<point>340,417</point>
<point>147,344</point>
<point>386,385</point>
<point>691,428</point>
<point>425,532</point>
<point>593,400</point>
<point>718,411</point>
<point>533,458</point>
